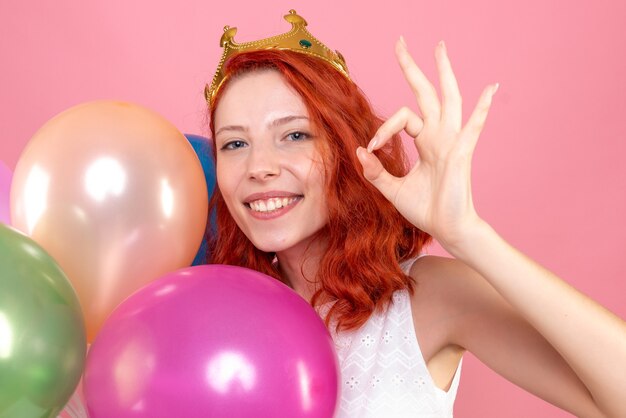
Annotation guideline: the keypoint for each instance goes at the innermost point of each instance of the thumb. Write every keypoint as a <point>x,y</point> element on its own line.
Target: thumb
<point>376,174</point>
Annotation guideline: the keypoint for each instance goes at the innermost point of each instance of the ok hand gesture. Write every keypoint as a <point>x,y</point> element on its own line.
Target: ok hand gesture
<point>435,195</point>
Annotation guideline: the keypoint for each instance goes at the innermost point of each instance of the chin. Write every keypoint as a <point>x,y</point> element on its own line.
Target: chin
<point>269,246</point>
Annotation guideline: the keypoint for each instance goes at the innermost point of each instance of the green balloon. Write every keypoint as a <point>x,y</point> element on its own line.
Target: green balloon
<point>42,331</point>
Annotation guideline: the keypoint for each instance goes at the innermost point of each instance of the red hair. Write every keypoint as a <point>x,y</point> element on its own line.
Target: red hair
<point>366,236</point>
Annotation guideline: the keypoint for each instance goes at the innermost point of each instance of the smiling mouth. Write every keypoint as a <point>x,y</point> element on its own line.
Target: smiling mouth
<point>271,205</point>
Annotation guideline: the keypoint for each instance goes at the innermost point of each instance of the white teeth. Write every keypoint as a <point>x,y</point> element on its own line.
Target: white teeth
<point>272,204</point>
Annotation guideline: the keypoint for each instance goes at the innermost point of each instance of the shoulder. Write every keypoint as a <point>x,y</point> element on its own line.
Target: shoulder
<point>429,267</point>
<point>445,281</point>
<point>450,282</point>
<point>448,297</point>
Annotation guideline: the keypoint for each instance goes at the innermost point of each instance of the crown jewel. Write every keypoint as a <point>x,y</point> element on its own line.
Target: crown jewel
<point>298,39</point>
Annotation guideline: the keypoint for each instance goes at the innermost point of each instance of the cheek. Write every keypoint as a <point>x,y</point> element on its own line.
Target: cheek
<point>224,168</point>
<point>317,184</point>
<point>225,180</point>
<point>317,175</point>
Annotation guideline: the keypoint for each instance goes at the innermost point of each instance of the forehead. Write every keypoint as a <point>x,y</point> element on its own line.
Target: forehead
<point>258,96</point>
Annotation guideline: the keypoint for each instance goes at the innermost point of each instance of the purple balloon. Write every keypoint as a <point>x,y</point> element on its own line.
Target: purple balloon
<point>5,188</point>
<point>212,341</point>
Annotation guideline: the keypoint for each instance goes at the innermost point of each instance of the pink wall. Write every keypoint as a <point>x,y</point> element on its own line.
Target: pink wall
<point>548,171</point>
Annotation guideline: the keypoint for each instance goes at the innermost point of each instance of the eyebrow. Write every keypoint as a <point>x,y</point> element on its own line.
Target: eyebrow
<point>274,123</point>
<point>236,128</point>
<point>286,119</point>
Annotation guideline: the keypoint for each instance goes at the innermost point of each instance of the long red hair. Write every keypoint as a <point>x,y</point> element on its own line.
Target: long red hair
<point>366,237</point>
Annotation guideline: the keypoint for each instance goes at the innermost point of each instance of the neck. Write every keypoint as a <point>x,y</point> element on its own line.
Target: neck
<point>298,266</point>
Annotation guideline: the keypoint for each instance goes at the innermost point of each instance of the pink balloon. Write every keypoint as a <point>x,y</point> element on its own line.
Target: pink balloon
<point>212,341</point>
<point>5,188</point>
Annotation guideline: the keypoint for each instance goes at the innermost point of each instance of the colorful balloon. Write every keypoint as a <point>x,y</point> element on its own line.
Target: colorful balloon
<point>5,188</point>
<point>42,333</point>
<point>203,148</point>
<point>212,341</point>
<point>115,193</point>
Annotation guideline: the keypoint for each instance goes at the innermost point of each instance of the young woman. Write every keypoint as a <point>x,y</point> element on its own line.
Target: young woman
<point>313,189</point>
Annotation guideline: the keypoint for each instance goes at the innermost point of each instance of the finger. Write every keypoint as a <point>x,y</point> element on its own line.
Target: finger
<point>451,106</point>
<point>404,119</point>
<point>425,92</point>
<point>476,122</point>
<point>376,174</point>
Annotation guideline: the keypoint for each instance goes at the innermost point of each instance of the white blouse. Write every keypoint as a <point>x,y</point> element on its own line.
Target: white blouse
<point>383,372</point>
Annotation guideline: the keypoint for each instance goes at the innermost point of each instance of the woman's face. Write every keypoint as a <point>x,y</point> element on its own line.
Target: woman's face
<point>269,169</point>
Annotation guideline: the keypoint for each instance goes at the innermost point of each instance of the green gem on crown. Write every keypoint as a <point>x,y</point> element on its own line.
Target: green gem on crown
<point>306,44</point>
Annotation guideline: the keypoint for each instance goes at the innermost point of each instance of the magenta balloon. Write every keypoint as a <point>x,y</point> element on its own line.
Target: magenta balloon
<point>212,341</point>
<point>5,188</point>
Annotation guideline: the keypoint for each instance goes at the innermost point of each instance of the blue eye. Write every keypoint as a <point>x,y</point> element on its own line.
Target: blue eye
<point>298,136</point>
<point>233,145</point>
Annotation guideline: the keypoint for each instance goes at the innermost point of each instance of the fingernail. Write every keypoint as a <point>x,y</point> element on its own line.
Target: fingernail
<point>495,88</point>
<point>402,41</point>
<point>372,145</point>
<point>442,45</point>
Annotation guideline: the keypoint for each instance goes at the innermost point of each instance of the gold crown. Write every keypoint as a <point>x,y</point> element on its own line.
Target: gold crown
<point>298,39</point>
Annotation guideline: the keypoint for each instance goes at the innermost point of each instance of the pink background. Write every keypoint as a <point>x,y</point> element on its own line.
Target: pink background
<point>548,171</point>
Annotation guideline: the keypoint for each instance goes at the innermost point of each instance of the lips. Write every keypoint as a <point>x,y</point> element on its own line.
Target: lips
<point>271,204</point>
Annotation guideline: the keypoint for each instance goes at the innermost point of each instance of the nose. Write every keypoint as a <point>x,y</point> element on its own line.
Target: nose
<point>263,163</point>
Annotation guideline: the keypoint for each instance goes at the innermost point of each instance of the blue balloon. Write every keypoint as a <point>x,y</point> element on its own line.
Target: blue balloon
<point>203,148</point>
